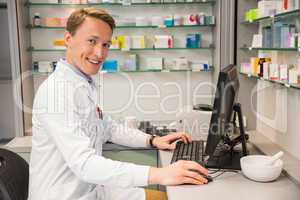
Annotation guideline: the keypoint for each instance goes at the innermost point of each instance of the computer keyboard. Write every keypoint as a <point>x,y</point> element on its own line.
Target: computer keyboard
<point>192,151</point>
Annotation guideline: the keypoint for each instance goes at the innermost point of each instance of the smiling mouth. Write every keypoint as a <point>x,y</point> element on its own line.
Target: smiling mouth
<point>95,62</point>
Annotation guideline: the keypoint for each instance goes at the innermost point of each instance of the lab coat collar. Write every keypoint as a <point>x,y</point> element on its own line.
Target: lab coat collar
<point>77,71</point>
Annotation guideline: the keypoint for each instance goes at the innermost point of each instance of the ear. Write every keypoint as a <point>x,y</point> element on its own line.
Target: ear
<point>67,38</point>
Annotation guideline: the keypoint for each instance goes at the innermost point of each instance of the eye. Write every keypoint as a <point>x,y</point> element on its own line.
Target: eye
<point>92,41</point>
<point>106,45</point>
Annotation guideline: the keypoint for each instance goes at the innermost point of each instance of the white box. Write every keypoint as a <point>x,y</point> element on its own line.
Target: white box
<point>181,64</point>
<point>293,75</point>
<point>52,1</point>
<point>274,72</point>
<point>283,72</point>
<point>257,40</point>
<point>141,21</point>
<point>163,41</point>
<point>154,63</point>
<point>138,41</point>
<point>157,21</point>
<point>45,66</point>
<point>266,70</point>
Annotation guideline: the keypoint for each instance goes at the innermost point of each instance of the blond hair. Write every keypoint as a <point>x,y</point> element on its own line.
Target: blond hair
<point>78,17</point>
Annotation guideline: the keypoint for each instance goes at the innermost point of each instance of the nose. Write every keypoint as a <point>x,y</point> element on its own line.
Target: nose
<point>98,51</point>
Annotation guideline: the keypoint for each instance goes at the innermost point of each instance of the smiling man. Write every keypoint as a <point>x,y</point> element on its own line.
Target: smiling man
<point>69,129</point>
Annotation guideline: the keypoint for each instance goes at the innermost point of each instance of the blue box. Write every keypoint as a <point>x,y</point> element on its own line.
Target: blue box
<point>110,66</point>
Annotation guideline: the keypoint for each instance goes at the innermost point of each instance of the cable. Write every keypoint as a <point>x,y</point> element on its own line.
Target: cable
<point>224,171</point>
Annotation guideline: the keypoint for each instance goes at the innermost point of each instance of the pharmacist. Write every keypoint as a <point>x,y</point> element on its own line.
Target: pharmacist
<point>69,129</point>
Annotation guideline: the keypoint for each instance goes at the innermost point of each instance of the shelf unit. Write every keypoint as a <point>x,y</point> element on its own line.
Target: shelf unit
<point>35,49</point>
<point>137,71</point>
<point>212,2</point>
<point>277,16</point>
<point>259,22</point>
<point>285,84</point>
<point>130,50</point>
<point>118,27</point>
<point>271,105</point>
<point>37,42</point>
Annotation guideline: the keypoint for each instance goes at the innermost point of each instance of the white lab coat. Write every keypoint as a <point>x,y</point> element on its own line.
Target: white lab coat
<point>66,161</point>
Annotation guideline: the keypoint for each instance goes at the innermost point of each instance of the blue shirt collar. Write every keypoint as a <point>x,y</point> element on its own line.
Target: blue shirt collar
<point>77,71</point>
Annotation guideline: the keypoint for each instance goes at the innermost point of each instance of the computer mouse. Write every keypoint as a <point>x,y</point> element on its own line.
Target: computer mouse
<point>209,178</point>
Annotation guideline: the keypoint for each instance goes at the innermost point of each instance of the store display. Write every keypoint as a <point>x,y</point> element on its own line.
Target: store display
<point>257,40</point>
<point>163,41</point>
<point>246,68</point>
<point>283,72</point>
<point>157,21</point>
<point>124,42</point>
<point>293,75</point>
<point>169,21</point>
<point>138,41</point>
<point>59,43</point>
<point>44,66</point>
<point>154,63</point>
<point>52,21</point>
<point>181,63</point>
<point>130,63</point>
<point>36,19</point>
<point>193,40</point>
<point>141,21</point>
<point>199,65</point>
<point>266,72</point>
<point>110,65</point>
<point>178,20</point>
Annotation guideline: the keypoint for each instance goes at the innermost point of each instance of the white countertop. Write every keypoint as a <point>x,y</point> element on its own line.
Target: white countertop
<point>232,186</point>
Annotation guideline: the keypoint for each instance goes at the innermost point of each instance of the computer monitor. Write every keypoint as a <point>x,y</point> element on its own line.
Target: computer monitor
<point>220,146</point>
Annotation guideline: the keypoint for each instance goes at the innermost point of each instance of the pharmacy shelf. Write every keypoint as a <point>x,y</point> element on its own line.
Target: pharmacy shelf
<point>32,49</point>
<point>269,49</point>
<point>167,27</point>
<point>294,86</point>
<point>212,2</point>
<point>292,13</point>
<point>211,68</point>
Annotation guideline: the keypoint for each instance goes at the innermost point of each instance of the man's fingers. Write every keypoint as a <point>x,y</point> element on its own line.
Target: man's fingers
<point>184,137</point>
<point>195,175</point>
<point>191,165</point>
<point>188,180</point>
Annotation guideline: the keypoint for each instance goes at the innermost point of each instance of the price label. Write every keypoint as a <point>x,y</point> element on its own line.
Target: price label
<point>249,75</point>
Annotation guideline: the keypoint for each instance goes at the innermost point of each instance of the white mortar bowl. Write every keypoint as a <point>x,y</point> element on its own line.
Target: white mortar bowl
<point>255,168</point>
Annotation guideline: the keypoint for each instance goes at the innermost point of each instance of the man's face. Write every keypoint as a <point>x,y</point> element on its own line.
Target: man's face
<point>88,47</point>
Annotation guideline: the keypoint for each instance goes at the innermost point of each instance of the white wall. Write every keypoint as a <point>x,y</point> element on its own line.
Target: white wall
<point>279,116</point>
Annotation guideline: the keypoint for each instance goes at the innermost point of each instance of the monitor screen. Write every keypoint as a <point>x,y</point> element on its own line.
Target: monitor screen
<point>226,92</point>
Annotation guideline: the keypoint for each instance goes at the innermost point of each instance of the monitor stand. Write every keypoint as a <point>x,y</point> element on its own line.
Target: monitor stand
<point>230,158</point>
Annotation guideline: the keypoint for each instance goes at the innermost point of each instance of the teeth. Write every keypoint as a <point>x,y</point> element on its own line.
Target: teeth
<point>94,61</point>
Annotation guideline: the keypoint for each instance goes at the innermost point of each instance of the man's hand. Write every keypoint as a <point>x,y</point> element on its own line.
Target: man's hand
<point>166,142</point>
<point>180,172</point>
